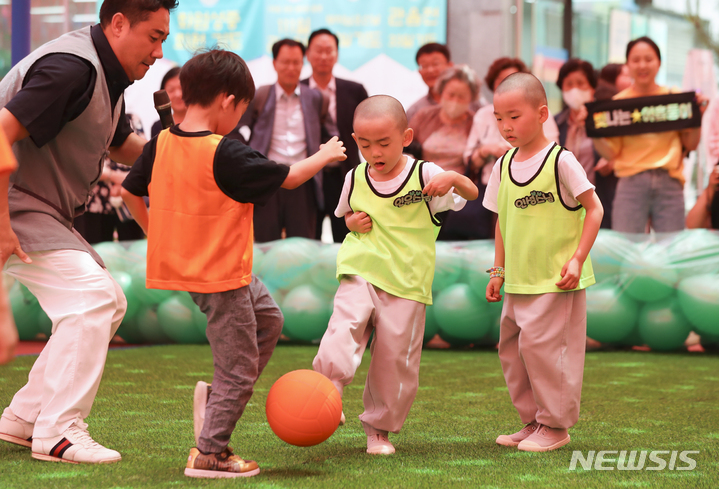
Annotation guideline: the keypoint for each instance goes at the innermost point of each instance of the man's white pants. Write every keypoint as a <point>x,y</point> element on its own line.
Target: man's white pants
<point>86,307</point>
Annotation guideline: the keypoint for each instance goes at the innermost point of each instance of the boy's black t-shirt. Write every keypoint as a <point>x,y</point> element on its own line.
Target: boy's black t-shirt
<point>243,174</point>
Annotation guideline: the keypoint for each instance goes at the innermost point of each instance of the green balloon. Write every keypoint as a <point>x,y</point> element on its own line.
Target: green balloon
<point>200,321</point>
<point>149,297</point>
<point>648,276</point>
<point>611,314</point>
<point>694,252</point>
<point>138,250</point>
<point>124,280</point>
<point>148,325</point>
<point>25,312</point>
<point>447,268</point>
<point>44,323</point>
<point>609,251</point>
<point>129,330</point>
<point>287,263</point>
<point>463,318</point>
<point>307,312</point>
<point>177,322</point>
<point>431,327</point>
<point>324,269</point>
<point>633,338</point>
<point>113,254</point>
<point>662,325</point>
<point>257,258</point>
<point>699,299</point>
<point>478,278</point>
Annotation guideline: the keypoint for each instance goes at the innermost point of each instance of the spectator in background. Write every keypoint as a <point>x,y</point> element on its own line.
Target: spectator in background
<point>171,84</point>
<point>442,132</point>
<point>106,213</point>
<point>485,143</point>
<point>705,213</point>
<point>442,129</point>
<point>433,59</point>
<point>613,78</point>
<point>649,166</point>
<point>343,96</point>
<point>285,124</point>
<point>577,82</point>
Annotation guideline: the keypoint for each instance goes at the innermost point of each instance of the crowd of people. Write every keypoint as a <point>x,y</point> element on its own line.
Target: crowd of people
<point>247,164</point>
<point>454,127</point>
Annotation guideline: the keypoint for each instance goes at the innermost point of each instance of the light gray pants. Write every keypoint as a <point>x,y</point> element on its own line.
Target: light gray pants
<point>649,194</point>
<point>393,377</point>
<point>542,340</point>
<point>243,326</point>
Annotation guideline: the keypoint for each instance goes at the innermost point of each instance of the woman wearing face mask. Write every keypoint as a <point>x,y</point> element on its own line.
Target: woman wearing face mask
<point>649,166</point>
<point>577,82</point>
<point>442,129</point>
<point>442,132</point>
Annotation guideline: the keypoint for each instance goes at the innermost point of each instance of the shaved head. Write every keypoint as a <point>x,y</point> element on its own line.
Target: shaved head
<point>380,106</point>
<point>528,84</point>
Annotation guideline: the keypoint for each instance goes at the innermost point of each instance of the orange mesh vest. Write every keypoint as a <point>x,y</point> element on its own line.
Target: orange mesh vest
<point>200,240</point>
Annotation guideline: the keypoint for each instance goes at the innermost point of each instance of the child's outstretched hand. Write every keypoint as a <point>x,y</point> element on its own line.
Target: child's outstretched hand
<point>493,287</point>
<point>334,149</point>
<point>571,272</point>
<point>358,222</point>
<point>440,184</point>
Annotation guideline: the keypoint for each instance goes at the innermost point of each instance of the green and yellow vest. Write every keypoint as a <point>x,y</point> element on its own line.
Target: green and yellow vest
<point>398,254</point>
<point>540,231</point>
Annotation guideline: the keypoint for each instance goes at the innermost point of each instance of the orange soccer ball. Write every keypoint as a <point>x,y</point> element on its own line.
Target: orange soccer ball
<point>303,408</point>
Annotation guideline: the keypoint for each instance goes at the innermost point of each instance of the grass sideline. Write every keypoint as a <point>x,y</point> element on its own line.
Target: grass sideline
<point>631,401</point>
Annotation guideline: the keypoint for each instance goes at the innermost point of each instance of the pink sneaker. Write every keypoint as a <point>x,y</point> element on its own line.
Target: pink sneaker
<point>515,438</point>
<point>15,430</point>
<point>379,444</point>
<point>74,445</point>
<point>544,439</point>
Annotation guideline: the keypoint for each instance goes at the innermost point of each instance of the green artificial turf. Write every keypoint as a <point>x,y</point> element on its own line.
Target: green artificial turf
<point>631,401</point>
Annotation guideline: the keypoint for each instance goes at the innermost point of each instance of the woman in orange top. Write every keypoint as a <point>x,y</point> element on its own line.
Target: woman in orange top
<point>649,166</point>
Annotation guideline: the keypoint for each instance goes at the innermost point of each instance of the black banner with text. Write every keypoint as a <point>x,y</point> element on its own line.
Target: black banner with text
<point>640,115</point>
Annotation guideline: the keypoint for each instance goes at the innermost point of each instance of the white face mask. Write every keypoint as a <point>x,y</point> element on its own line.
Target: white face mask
<point>576,97</point>
<point>453,109</point>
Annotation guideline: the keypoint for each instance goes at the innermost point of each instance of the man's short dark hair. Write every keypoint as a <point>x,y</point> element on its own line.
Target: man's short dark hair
<point>286,42</point>
<point>171,73</point>
<point>135,10</point>
<point>209,74</point>
<point>576,64</point>
<point>323,31</point>
<point>433,47</point>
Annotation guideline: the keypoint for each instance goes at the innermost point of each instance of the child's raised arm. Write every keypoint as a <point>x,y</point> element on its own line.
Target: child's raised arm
<point>572,270</point>
<point>138,209</point>
<point>300,172</point>
<point>440,184</point>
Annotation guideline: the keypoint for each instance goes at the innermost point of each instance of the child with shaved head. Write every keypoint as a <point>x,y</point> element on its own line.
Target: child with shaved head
<point>386,266</point>
<point>548,219</point>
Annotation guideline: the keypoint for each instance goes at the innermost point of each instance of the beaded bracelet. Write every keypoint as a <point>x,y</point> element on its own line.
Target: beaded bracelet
<point>496,272</point>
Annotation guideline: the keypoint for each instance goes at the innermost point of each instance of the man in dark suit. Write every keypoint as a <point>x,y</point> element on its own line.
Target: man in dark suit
<point>285,124</point>
<point>344,96</point>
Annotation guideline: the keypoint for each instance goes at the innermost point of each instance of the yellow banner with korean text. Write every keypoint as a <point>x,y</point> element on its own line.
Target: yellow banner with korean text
<point>640,115</point>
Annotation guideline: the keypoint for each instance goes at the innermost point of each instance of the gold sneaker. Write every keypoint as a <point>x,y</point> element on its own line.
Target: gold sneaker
<point>219,465</point>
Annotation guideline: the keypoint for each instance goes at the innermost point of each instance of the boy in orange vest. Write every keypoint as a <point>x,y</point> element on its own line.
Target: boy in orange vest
<point>202,189</point>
